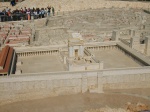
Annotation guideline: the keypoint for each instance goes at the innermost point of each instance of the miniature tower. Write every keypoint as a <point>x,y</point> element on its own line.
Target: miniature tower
<point>147,42</point>
<point>132,32</point>
<point>115,35</point>
<point>76,46</point>
<point>135,43</point>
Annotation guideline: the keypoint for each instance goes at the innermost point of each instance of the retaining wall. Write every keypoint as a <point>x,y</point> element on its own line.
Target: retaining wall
<point>34,86</point>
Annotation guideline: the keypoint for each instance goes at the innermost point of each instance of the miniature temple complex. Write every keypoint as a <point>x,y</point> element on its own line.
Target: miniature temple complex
<point>94,48</point>
<point>77,59</point>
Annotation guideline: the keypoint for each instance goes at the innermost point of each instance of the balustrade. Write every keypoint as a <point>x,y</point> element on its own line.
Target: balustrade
<point>38,53</point>
<point>102,48</point>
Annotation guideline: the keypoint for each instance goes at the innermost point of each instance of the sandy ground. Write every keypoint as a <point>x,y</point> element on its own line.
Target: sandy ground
<point>145,92</point>
<point>73,103</point>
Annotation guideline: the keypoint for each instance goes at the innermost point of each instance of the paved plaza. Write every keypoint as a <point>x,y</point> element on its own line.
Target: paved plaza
<point>114,59</point>
<point>38,64</point>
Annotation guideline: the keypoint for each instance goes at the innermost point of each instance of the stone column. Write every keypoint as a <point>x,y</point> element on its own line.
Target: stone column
<point>132,32</point>
<point>115,35</point>
<point>147,45</point>
<point>81,51</point>
<point>84,83</point>
<point>135,43</point>
<point>70,51</point>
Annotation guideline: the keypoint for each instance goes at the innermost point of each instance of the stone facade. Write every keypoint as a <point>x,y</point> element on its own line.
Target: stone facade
<point>30,86</point>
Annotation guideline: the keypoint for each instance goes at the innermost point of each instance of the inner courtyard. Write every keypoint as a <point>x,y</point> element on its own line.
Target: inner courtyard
<point>38,64</point>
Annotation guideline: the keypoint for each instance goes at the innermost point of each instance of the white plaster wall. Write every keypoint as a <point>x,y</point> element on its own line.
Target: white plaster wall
<point>76,68</point>
<point>33,87</point>
<point>127,81</point>
<point>93,66</point>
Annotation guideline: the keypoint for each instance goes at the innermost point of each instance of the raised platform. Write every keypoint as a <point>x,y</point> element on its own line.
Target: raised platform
<point>37,64</point>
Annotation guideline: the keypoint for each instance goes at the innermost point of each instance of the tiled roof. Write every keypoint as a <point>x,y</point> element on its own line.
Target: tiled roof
<point>5,59</point>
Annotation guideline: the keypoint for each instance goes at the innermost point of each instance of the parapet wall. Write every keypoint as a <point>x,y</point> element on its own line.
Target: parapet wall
<point>34,86</point>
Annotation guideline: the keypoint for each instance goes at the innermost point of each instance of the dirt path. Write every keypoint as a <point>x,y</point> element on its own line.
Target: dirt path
<point>73,103</point>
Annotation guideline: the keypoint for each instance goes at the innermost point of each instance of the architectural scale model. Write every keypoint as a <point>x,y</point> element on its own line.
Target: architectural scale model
<point>96,49</point>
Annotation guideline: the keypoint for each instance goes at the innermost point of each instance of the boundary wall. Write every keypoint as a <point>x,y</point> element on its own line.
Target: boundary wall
<point>33,86</point>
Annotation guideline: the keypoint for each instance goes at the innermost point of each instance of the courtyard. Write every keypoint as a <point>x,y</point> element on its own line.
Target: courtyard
<point>38,64</point>
<point>113,58</point>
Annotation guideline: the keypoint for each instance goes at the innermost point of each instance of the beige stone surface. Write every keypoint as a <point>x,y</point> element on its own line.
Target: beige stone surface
<point>75,103</point>
<point>72,5</point>
<point>36,64</point>
<point>41,85</point>
<point>4,5</point>
<point>114,59</point>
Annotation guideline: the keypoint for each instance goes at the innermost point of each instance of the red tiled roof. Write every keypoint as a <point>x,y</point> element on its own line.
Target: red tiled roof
<point>3,58</point>
<point>7,54</point>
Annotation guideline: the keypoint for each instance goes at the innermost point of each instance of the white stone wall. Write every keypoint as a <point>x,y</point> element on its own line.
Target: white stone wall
<point>34,86</point>
<point>126,81</point>
<point>93,66</point>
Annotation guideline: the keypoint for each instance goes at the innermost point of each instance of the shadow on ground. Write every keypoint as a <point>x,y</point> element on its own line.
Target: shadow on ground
<point>146,11</point>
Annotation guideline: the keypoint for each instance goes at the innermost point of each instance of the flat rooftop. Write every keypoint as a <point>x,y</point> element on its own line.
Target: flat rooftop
<point>37,64</point>
<point>114,58</point>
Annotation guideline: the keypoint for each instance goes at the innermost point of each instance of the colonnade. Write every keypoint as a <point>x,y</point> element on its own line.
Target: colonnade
<point>93,48</point>
<point>38,53</point>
